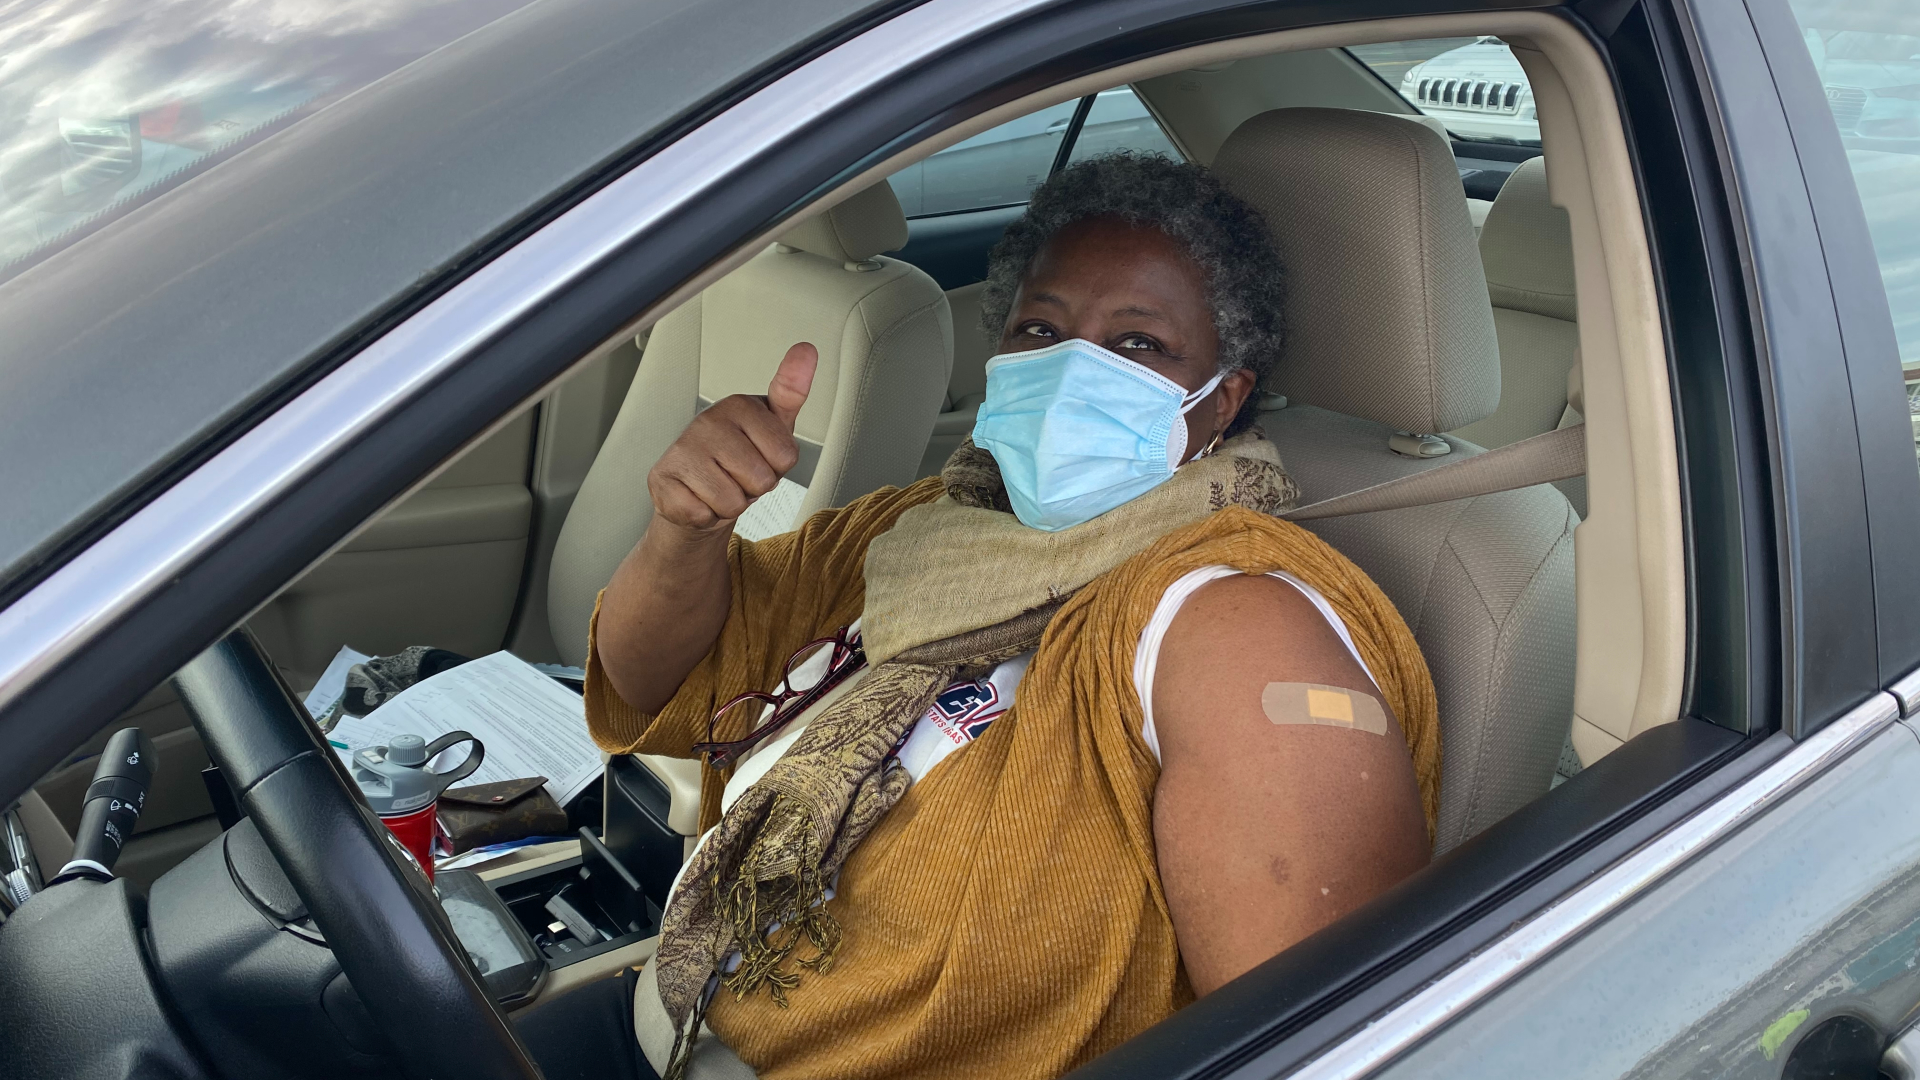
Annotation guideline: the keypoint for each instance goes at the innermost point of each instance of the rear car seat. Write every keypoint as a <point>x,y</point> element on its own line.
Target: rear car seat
<point>1527,249</point>
<point>886,348</point>
<point>1390,330</point>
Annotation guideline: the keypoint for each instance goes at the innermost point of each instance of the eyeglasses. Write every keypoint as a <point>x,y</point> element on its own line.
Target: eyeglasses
<point>845,658</point>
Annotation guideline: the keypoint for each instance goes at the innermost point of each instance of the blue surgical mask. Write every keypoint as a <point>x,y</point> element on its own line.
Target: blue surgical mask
<point>1077,430</point>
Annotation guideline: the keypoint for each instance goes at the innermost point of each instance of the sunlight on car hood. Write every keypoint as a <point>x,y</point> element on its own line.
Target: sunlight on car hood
<point>105,104</point>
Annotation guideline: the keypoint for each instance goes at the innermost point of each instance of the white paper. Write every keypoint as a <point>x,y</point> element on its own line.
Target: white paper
<point>333,681</point>
<point>529,724</point>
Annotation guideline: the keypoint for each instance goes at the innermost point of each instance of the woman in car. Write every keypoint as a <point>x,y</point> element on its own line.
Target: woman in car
<point>1019,759</point>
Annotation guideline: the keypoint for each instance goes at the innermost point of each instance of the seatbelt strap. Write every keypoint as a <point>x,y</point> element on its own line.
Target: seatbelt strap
<point>1557,455</point>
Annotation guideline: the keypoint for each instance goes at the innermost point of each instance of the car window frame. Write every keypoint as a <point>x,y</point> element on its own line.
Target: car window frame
<point>1871,353</point>
<point>1780,749</point>
<point>1823,557</point>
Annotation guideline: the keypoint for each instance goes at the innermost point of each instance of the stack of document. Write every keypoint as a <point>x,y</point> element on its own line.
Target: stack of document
<point>529,724</point>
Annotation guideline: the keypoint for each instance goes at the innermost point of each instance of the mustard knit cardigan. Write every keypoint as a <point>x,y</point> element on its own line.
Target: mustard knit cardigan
<point>1006,918</point>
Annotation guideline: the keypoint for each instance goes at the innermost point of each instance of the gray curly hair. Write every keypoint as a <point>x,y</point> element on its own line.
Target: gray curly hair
<point>1227,238</point>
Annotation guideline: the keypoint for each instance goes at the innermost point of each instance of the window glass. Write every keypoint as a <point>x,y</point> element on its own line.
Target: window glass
<point>104,104</point>
<point>1119,120</point>
<point>998,167</point>
<point>1472,85</point>
<point>1002,166</point>
<point>1868,55</point>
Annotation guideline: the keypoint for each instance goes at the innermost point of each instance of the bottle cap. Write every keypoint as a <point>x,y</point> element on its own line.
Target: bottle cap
<point>407,750</point>
<point>395,778</point>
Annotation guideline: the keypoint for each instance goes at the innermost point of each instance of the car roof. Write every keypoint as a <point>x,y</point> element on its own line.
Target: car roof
<point>129,352</point>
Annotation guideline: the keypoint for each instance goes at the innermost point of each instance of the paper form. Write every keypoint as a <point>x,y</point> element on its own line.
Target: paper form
<point>530,725</point>
<point>333,681</point>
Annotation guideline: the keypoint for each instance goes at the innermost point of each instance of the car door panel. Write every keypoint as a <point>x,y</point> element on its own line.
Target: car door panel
<point>1808,911</point>
<point>442,568</point>
<point>1286,1011</point>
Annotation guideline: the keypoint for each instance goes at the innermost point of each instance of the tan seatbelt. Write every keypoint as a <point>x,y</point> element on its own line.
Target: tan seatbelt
<point>1540,459</point>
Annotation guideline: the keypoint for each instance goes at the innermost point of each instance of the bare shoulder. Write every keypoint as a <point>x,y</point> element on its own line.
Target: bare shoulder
<point>1245,645</point>
<point>1248,603</point>
<point>1247,628</point>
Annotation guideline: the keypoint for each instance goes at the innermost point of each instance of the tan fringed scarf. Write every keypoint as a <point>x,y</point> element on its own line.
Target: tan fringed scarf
<point>934,614</point>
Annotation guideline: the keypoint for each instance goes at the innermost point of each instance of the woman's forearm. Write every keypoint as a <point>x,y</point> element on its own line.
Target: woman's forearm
<point>662,611</point>
<point>665,606</point>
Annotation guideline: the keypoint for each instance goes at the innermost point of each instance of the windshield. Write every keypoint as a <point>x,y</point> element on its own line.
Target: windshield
<point>106,104</point>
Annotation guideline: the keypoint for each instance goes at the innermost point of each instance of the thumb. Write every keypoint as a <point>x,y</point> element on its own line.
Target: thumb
<point>788,390</point>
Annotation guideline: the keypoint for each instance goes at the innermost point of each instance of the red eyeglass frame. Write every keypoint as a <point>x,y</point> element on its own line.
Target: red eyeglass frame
<point>847,658</point>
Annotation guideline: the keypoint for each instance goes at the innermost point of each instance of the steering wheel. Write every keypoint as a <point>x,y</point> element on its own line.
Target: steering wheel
<point>377,911</point>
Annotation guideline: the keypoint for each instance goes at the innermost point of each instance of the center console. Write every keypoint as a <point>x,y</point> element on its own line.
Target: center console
<point>523,925</point>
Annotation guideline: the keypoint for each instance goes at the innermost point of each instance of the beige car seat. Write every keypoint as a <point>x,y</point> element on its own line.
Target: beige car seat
<point>1390,331</point>
<point>1527,249</point>
<point>886,347</point>
<point>973,346</point>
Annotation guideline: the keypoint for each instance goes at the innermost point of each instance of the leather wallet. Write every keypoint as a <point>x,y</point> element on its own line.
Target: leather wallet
<point>483,814</point>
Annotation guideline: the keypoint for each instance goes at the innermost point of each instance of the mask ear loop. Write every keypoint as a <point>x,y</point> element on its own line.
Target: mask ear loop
<point>1196,398</point>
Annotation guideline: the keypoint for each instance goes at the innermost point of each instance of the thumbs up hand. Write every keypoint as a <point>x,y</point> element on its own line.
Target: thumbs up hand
<point>734,452</point>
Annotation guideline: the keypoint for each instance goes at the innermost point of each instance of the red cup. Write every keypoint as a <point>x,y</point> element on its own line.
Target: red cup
<point>414,830</point>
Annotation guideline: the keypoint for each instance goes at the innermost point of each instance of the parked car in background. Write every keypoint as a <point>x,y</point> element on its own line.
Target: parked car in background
<point>1479,91</point>
<point>1873,86</point>
<point>1002,165</point>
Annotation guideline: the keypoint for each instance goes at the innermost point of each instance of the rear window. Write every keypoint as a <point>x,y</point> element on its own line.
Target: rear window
<point>106,104</point>
<point>1472,85</point>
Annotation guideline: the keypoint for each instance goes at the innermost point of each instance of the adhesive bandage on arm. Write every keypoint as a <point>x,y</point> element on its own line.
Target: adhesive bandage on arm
<point>1326,706</point>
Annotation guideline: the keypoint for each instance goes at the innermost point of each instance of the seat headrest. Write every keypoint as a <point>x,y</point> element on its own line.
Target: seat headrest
<point>855,229</point>
<point>1527,247</point>
<point>1387,311</point>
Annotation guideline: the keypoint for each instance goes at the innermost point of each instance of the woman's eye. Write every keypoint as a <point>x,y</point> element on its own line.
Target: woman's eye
<point>1036,329</point>
<point>1138,343</point>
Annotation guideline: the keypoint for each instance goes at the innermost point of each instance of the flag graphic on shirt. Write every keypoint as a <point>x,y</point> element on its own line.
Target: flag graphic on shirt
<point>965,710</point>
